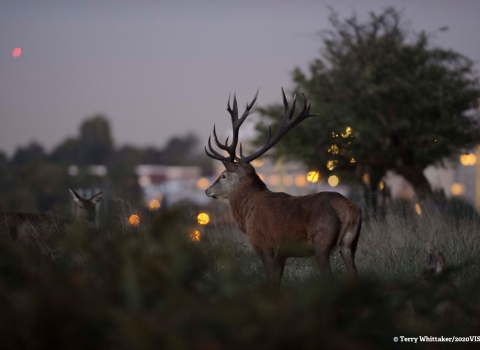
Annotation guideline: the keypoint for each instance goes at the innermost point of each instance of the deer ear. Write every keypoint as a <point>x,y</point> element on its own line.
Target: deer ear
<point>74,195</point>
<point>97,198</point>
<point>230,166</point>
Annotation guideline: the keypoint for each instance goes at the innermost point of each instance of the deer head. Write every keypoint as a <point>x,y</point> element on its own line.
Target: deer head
<point>85,208</point>
<point>239,174</point>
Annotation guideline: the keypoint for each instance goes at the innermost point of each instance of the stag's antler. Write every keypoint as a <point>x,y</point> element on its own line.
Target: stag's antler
<point>236,123</point>
<point>287,124</point>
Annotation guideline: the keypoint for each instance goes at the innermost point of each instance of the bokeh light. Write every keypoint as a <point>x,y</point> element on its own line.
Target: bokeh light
<point>203,218</point>
<point>195,236</point>
<point>154,204</point>
<point>418,209</point>
<point>366,179</point>
<point>274,179</point>
<point>333,149</point>
<point>144,181</point>
<point>381,185</point>
<point>457,189</point>
<point>313,176</point>
<point>134,220</point>
<point>347,133</point>
<point>203,183</point>
<point>73,170</point>
<point>300,181</point>
<point>333,180</point>
<point>331,164</point>
<point>257,162</point>
<point>16,52</point>
<point>469,159</point>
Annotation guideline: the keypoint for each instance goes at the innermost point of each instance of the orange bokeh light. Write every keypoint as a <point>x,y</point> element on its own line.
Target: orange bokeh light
<point>195,236</point>
<point>16,52</point>
<point>134,220</point>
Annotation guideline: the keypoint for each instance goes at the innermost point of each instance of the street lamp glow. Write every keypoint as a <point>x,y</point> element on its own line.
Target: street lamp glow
<point>134,220</point>
<point>313,176</point>
<point>203,218</point>
<point>333,180</point>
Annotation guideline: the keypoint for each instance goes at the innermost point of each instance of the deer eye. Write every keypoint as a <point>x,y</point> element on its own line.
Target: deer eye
<point>224,176</point>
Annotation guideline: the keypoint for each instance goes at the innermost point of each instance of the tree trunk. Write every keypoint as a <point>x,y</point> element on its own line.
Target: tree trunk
<point>419,182</point>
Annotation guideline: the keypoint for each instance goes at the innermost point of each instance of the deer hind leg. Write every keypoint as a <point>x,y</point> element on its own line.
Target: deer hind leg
<point>348,243</point>
<point>323,243</point>
<point>274,267</point>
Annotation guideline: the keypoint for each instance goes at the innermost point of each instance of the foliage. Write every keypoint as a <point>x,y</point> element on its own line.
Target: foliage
<point>179,150</point>
<point>387,99</point>
<point>34,180</point>
<point>33,152</point>
<point>95,140</point>
<point>149,287</point>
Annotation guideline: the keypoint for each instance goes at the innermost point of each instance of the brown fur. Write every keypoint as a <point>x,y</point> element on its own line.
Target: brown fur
<point>28,226</point>
<point>279,225</point>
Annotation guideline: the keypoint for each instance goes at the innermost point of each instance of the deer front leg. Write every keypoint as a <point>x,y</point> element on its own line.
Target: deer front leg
<point>274,267</point>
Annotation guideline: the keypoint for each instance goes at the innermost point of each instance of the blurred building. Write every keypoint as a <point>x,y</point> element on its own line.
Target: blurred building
<point>292,178</point>
<point>166,185</point>
<point>171,184</point>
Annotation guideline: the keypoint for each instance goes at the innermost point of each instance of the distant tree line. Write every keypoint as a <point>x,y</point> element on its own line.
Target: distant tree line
<point>36,180</point>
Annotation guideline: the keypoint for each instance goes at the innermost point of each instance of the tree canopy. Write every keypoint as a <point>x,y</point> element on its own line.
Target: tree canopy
<point>387,99</point>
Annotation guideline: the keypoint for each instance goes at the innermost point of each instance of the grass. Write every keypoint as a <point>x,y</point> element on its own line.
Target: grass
<point>150,287</point>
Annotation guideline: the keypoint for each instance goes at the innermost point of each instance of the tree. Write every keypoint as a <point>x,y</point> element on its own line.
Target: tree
<point>69,151</point>
<point>387,100</point>
<point>34,152</point>
<point>95,140</point>
<point>179,150</point>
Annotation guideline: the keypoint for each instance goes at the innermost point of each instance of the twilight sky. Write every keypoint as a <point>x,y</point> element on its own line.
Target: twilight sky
<point>160,68</point>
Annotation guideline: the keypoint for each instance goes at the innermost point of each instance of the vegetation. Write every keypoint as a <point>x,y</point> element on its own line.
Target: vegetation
<point>150,287</point>
<point>33,180</point>
<point>387,99</point>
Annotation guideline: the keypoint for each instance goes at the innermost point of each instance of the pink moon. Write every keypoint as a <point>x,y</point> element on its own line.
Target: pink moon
<point>17,52</point>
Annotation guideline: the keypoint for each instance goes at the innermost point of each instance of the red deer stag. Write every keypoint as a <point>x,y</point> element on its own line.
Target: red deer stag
<point>278,225</point>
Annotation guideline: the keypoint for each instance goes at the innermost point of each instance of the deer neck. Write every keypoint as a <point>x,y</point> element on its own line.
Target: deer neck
<point>79,217</point>
<point>243,201</point>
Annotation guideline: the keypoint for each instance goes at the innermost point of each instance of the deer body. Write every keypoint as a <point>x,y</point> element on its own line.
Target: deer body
<point>25,226</point>
<point>278,225</point>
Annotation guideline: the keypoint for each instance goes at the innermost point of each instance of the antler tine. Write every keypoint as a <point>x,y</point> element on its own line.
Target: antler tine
<point>236,123</point>
<point>235,107</point>
<point>288,114</point>
<point>214,154</point>
<point>305,113</point>
<point>241,152</point>
<point>285,102</point>
<point>250,105</point>
<point>219,144</point>
<point>233,112</point>
<point>287,124</point>
<point>269,132</point>
<point>247,112</point>
<point>292,110</point>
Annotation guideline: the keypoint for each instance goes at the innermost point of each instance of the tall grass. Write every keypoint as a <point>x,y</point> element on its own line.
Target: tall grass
<point>151,287</point>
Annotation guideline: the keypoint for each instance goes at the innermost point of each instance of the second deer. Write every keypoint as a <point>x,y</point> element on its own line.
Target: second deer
<point>25,226</point>
<point>278,225</point>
